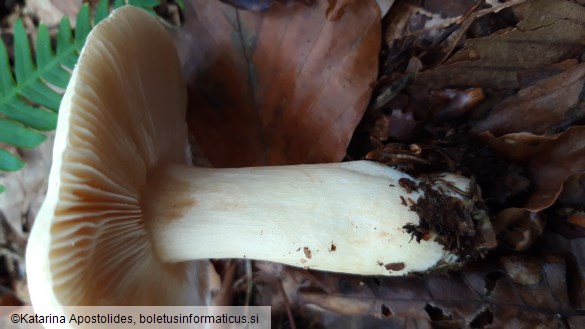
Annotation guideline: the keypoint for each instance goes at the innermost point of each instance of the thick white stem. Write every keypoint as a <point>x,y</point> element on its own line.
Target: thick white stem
<point>344,217</point>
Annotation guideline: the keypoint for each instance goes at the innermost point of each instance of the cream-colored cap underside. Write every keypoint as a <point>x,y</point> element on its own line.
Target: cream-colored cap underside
<point>123,114</point>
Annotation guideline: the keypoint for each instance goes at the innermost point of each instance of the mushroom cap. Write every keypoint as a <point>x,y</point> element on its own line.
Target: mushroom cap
<point>122,116</point>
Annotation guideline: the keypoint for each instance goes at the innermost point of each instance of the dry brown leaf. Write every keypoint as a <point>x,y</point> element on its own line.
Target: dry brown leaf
<point>282,86</point>
<point>551,31</point>
<point>538,108</point>
<point>551,160</point>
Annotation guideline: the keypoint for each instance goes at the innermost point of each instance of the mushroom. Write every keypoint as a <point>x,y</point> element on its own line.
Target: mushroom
<point>127,220</point>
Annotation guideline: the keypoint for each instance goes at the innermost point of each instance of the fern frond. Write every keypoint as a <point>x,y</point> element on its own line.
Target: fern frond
<point>31,91</point>
<point>147,5</point>
<point>181,4</point>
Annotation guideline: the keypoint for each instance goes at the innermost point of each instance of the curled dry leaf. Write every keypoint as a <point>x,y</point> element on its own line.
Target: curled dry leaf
<point>551,160</point>
<point>282,86</point>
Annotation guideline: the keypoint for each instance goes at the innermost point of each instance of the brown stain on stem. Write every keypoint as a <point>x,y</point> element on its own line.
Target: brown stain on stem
<point>166,197</point>
<point>394,266</point>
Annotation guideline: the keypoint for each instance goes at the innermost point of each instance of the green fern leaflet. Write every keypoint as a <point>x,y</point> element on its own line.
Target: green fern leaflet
<point>31,91</point>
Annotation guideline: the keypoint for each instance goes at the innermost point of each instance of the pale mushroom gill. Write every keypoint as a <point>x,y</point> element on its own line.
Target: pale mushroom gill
<point>118,122</point>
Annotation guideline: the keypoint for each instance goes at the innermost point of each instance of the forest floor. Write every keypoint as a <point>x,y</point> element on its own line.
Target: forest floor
<point>493,90</point>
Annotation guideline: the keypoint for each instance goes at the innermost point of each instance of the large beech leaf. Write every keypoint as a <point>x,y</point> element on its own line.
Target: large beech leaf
<point>283,86</point>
